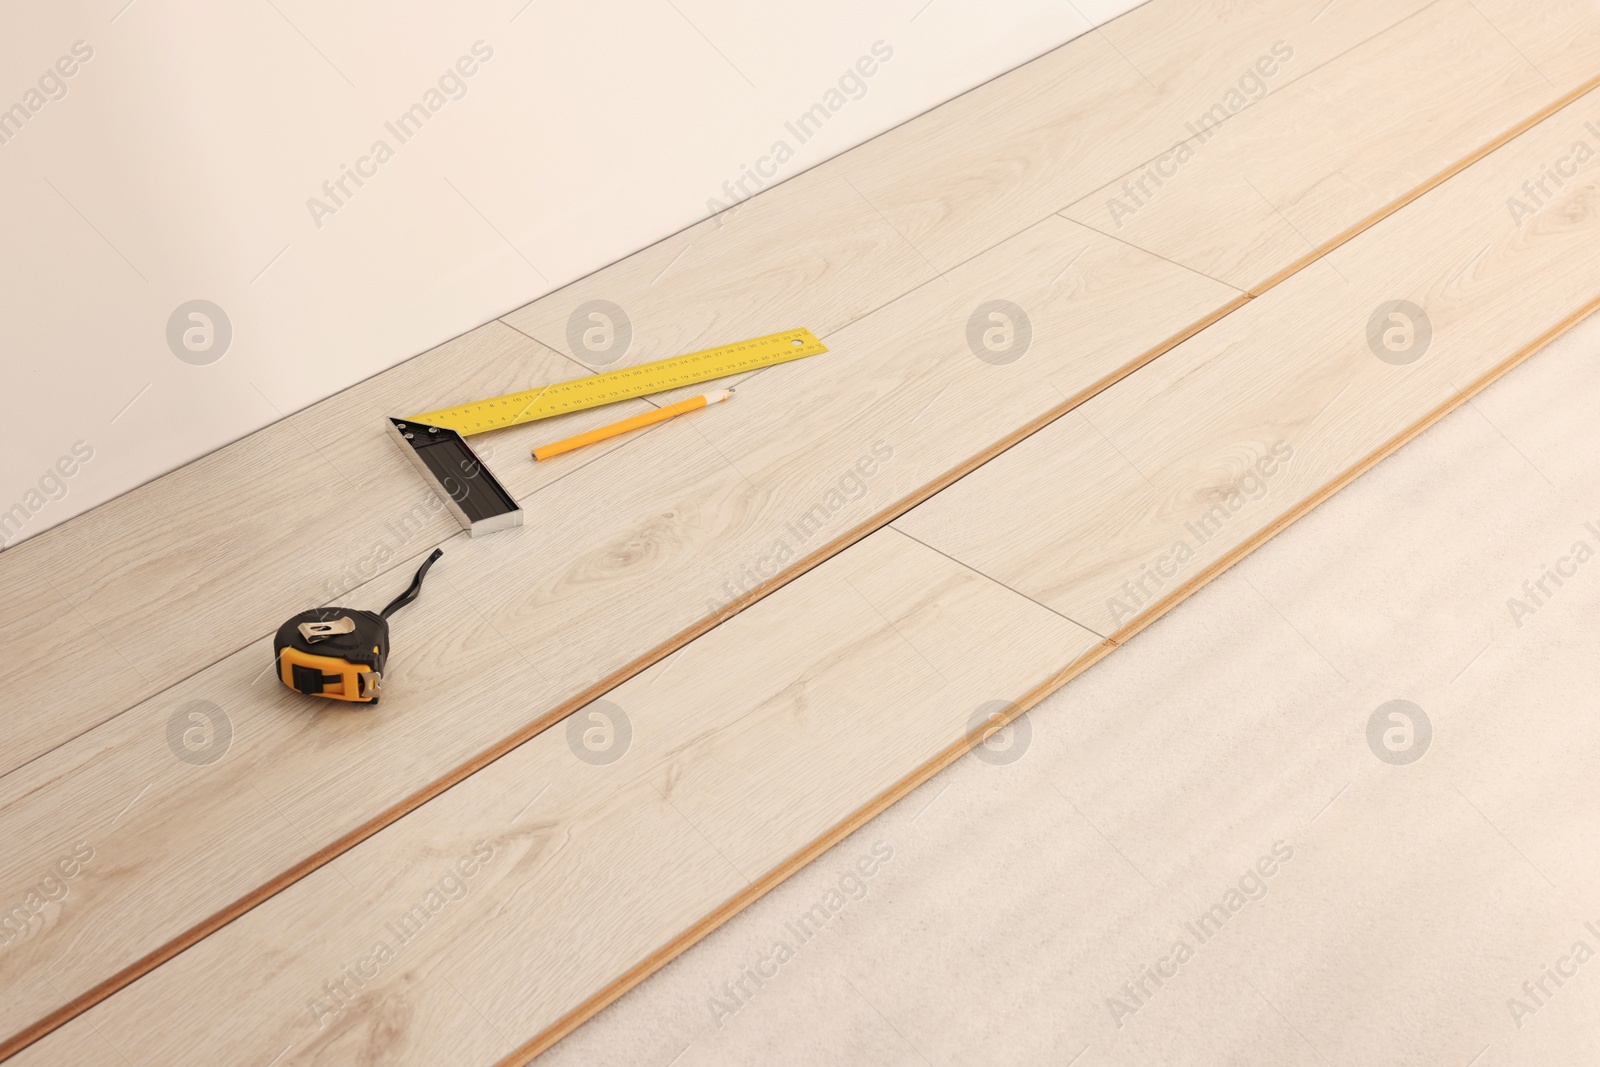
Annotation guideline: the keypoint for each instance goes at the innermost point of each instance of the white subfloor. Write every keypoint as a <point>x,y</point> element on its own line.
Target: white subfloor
<point>1407,904</point>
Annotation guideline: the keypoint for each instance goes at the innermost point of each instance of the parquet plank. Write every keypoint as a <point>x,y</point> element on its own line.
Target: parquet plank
<point>881,629</point>
<point>1259,195</point>
<point>963,177</point>
<point>323,488</point>
<point>691,534</point>
<point>176,574</point>
<point>518,629</point>
<point>857,671</point>
<point>1166,491</point>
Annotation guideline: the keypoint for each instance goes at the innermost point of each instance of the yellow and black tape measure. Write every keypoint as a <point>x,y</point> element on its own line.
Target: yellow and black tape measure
<point>340,653</point>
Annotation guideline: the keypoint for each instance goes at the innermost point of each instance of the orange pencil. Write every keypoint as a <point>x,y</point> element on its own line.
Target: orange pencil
<point>649,418</point>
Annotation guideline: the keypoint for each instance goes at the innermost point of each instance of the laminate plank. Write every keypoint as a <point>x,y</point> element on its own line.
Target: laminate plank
<point>170,597</point>
<point>871,644</point>
<point>1560,37</point>
<point>178,573</point>
<point>1166,484</point>
<point>1212,735</point>
<point>808,252</point>
<point>59,684</point>
<point>813,450</point>
<point>719,578</point>
<point>1259,195</point>
<point>957,179</point>
<point>1176,439</point>
<point>519,629</point>
<point>182,814</point>
<point>1159,41</point>
<point>1186,434</point>
<point>147,552</point>
<point>991,161</point>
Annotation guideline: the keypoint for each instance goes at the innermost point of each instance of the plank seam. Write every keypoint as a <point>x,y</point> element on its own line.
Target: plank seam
<point>170,949</point>
<point>983,574</point>
<point>822,163</point>
<point>1294,268</point>
<point>167,951</point>
<point>1144,164</point>
<point>1403,201</point>
<point>632,977</point>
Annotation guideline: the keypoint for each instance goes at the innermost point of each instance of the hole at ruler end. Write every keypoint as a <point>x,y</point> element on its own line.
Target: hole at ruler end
<point>797,342</point>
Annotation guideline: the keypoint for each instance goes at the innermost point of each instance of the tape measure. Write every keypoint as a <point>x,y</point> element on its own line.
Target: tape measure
<point>435,441</point>
<point>579,394</point>
<point>340,653</point>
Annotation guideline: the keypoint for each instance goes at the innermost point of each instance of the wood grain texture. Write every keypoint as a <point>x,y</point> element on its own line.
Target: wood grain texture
<point>39,631</point>
<point>1259,194</point>
<point>1208,737</point>
<point>1167,492</point>
<point>990,162</point>
<point>1560,37</point>
<point>717,528</point>
<point>256,512</point>
<point>822,251</point>
<point>207,559</point>
<point>750,777</point>
<point>859,670</point>
<point>293,515</point>
<point>1163,40</point>
<point>954,181</point>
<point>518,629</point>
<point>696,524</point>
<point>810,451</point>
<point>809,252</point>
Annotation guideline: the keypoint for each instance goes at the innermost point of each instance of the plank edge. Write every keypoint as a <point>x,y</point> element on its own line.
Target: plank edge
<point>672,949</point>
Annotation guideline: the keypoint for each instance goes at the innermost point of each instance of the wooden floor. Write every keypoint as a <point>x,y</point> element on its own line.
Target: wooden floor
<point>799,602</point>
<point>1024,890</point>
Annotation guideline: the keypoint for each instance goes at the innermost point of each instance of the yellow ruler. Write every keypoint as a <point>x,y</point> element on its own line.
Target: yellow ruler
<point>514,409</point>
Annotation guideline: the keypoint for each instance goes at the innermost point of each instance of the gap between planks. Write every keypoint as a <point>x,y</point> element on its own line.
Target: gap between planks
<point>333,850</point>
<point>867,812</point>
<point>684,940</point>
<point>1157,40</point>
<point>885,516</point>
<point>399,810</point>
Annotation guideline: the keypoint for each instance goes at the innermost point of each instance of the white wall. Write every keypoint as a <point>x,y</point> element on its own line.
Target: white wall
<point>176,163</point>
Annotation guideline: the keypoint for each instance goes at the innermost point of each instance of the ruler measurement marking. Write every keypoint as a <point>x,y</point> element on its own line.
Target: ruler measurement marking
<point>580,394</point>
